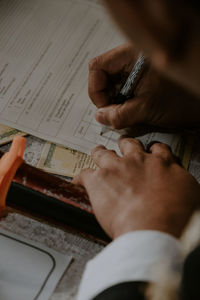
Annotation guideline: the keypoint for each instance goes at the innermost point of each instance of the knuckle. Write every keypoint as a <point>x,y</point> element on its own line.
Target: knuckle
<point>94,63</point>
<point>128,164</point>
<point>97,155</point>
<point>136,141</point>
<point>117,118</point>
<point>98,151</point>
<point>167,157</point>
<point>163,151</point>
<point>162,159</point>
<point>138,155</point>
<point>160,147</point>
<point>135,144</point>
<point>134,158</point>
<point>155,147</point>
<point>126,142</point>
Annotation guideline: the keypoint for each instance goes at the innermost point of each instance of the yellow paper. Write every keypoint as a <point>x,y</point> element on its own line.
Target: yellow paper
<point>7,134</point>
<point>64,161</point>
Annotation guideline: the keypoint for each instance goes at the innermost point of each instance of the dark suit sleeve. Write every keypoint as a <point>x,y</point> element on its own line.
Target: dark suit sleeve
<point>121,269</point>
<point>124,291</point>
<point>190,286</point>
<point>189,289</point>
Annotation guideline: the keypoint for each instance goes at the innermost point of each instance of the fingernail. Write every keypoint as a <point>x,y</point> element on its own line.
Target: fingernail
<point>101,116</point>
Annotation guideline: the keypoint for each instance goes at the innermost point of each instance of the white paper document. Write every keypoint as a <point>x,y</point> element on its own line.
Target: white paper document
<point>45,47</point>
<point>28,271</point>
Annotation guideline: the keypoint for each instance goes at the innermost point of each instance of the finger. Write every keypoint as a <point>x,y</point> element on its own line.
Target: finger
<point>97,87</point>
<point>130,146</point>
<point>113,60</point>
<point>122,115</point>
<point>104,67</point>
<point>161,150</point>
<point>104,158</point>
<point>83,178</point>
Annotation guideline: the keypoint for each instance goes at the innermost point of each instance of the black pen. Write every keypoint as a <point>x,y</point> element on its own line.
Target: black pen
<point>127,90</point>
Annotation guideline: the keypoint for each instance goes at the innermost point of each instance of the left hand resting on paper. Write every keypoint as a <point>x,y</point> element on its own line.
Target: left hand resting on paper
<point>139,191</point>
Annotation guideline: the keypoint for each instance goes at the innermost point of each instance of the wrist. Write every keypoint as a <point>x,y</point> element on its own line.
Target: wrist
<point>121,228</point>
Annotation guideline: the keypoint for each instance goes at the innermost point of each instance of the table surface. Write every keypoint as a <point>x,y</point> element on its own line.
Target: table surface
<point>81,248</point>
<point>63,240</point>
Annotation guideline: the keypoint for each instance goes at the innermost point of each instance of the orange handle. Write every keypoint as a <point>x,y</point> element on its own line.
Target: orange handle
<point>9,163</point>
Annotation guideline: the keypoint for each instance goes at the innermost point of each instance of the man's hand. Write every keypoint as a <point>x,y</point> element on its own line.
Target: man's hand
<point>157,101</point>
<point>139,191</point>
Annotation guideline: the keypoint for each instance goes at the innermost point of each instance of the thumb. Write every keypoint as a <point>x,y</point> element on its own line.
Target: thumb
<point>122,115</point>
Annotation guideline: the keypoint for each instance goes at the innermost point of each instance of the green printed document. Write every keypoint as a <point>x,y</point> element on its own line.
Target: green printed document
<point>28,271</point>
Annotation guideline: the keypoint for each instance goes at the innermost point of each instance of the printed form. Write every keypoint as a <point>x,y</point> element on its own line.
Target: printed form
<point>45,47</point>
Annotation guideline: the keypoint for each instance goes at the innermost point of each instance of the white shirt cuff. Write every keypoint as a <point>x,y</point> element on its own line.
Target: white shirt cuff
<point>131,257</point>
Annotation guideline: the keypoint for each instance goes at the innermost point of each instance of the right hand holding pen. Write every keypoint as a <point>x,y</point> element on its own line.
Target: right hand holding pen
<point>156,101</point>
